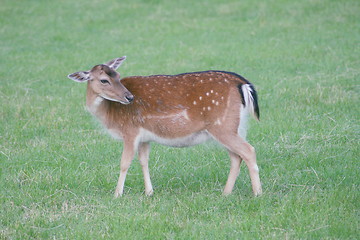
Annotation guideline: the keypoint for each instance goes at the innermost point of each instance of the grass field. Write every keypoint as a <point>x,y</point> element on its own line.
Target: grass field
<point>59,169</point>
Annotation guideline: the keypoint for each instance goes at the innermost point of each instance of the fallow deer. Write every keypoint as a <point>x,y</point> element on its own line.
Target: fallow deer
<point>175,110</point>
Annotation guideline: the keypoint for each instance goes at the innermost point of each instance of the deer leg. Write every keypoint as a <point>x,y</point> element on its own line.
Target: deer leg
<point>144,151</point>
<point>126,158</point>
<point>244,150</point>
<point>234,172</point>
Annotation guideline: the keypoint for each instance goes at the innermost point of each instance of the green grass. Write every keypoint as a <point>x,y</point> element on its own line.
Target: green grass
<point>59,170</point>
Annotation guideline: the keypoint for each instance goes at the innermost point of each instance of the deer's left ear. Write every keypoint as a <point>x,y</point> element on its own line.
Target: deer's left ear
<point>80,76</point>
<point>115,63</point>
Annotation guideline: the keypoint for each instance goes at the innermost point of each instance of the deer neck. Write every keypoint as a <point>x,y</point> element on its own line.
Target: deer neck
<point>93,101</point>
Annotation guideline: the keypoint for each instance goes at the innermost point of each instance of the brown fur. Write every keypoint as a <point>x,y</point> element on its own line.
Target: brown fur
<point>170,108</point>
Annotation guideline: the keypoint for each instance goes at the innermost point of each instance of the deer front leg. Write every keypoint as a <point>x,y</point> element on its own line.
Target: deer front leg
<point>126,158</point>
<point>144,151</point>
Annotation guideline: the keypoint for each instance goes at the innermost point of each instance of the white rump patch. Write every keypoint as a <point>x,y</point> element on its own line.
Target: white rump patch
<point>242,129</point>
<point>244,111</point>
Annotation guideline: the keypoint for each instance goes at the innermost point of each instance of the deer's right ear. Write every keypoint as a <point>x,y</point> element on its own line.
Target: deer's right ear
<point>80,76</point>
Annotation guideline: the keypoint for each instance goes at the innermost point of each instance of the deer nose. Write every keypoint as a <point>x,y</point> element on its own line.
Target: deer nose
<point>129,97</point>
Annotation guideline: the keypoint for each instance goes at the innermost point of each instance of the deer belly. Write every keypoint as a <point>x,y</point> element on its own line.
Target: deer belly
<point>185,141</point>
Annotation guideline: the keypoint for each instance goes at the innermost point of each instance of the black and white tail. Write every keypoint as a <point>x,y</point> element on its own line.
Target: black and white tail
<point>249,106</point>
<point>250,100</point>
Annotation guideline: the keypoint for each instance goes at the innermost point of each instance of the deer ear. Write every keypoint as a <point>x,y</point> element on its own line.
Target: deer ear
<point>115,63</point>
<point>80,76</point>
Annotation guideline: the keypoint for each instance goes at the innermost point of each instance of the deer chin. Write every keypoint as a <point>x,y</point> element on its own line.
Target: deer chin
<point>115,100</point>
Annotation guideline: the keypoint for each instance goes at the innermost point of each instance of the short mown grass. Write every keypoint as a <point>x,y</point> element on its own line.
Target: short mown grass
<point>59,169</point>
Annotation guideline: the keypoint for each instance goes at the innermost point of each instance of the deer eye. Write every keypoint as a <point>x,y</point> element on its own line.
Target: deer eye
<point>104,81</point>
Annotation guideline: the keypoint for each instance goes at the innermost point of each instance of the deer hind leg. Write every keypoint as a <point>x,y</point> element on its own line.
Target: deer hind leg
<point>234,172</point>
<point>144,151</point>
<point>126,159</point>
<point>238,146</point>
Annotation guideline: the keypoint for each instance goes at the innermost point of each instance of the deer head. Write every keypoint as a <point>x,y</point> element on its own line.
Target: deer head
<point>104,81</point>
